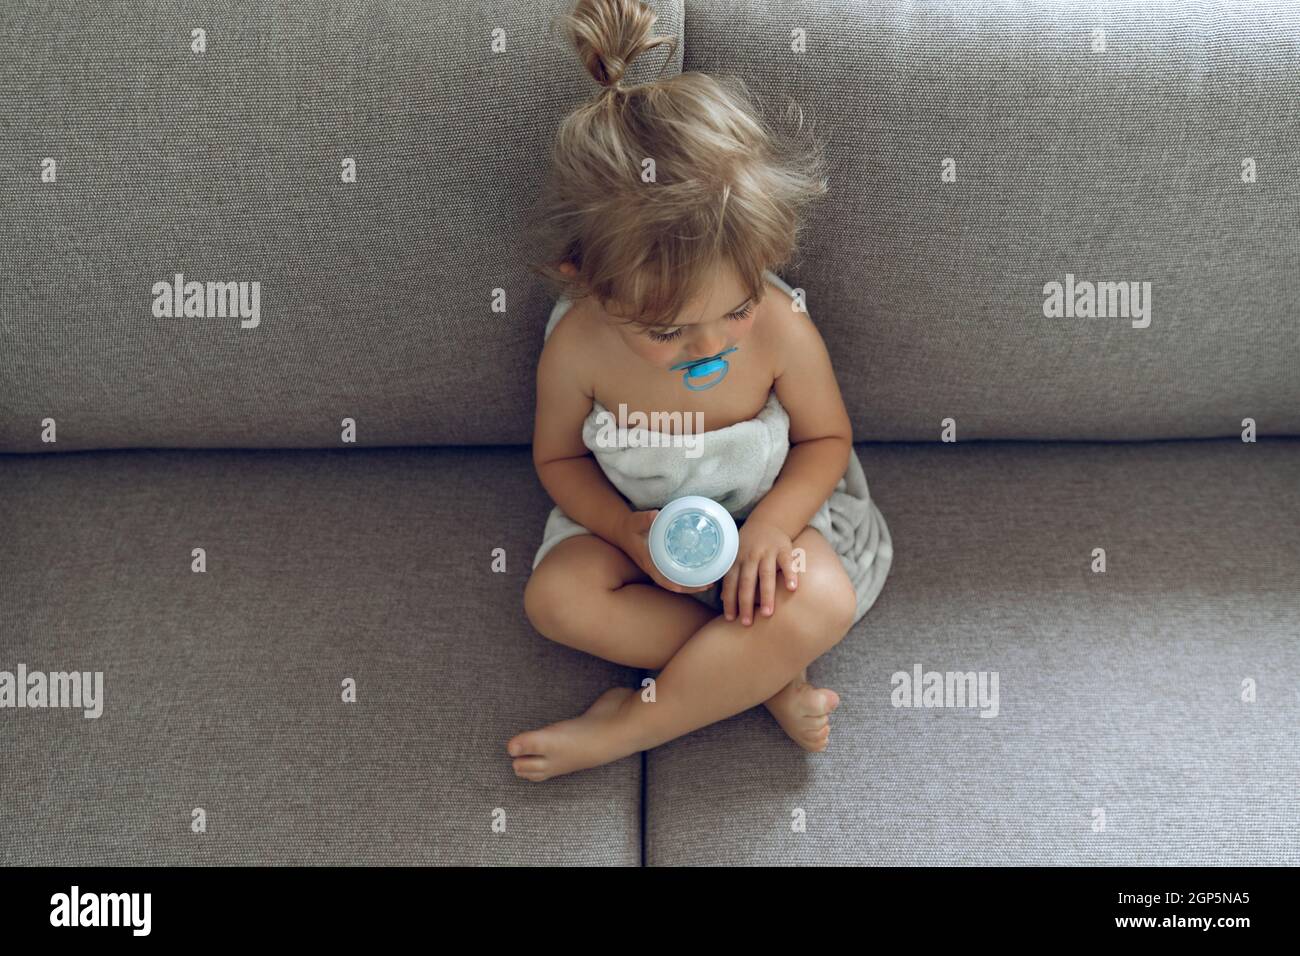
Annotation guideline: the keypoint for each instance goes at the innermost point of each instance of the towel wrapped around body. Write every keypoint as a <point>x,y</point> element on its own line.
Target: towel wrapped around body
<point>735,466</point>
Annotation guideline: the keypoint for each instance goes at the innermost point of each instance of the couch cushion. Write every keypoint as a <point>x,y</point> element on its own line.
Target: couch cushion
<point>375,298</point>
<point>1119,691</point>
<point>1117,166</point>
<point>222,690</point>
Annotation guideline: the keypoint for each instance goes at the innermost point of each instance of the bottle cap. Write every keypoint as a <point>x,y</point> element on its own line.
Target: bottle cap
<point>693,541</point>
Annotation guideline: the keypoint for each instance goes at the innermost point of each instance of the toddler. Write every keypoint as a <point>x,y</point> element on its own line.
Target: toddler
<point>669,202</point>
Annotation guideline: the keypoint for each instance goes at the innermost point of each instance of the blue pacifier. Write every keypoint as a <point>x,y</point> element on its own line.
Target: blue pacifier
<point>703,368</point>
<point>693,541</point>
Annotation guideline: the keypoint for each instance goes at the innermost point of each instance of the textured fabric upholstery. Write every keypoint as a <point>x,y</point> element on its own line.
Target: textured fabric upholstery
<point>223,690</point>
<point>1111,167</point>
<point>376,297</point>
<point>1118,691</point>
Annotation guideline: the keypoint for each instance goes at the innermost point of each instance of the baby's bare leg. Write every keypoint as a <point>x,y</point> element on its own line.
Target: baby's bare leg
<point>727,667</point>
<point>587,594</point>
<point>723,669</point>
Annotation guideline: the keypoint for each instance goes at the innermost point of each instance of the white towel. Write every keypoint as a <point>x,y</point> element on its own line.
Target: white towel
<point>735,466</point>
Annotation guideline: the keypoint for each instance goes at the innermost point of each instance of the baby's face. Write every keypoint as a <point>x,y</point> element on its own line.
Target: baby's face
<point>713,322</point>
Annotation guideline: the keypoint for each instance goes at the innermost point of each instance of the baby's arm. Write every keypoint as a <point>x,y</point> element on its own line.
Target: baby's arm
<point>821,440</point>
<point>821,436</point>
<point>564,465</point>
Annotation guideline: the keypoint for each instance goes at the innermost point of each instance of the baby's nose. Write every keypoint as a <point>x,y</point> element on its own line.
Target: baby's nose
<point>707,346</point>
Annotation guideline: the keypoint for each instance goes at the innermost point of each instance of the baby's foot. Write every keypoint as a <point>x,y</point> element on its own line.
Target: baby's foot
<point>803,711</point>
<point>575,744</point>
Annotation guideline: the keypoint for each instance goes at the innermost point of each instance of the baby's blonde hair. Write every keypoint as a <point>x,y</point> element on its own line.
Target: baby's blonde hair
<point>726,189</point>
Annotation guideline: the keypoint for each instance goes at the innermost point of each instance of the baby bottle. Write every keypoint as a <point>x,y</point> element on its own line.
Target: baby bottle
<point>693,541</point>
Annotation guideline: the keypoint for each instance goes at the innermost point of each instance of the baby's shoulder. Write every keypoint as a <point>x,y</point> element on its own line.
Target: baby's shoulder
<point>786,326</point>
<point>568,350</point>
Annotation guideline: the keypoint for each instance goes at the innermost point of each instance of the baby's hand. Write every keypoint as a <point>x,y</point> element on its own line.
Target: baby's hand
<point>762,548</point>
<point>636,543</point>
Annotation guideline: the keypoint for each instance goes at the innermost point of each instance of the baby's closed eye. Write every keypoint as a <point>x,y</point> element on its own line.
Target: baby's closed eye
<point>737,316</point>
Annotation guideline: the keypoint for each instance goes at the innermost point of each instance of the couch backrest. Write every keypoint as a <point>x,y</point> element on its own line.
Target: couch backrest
<point>1162,149</point>
<point>1109,142</point>
<point>375,298</point>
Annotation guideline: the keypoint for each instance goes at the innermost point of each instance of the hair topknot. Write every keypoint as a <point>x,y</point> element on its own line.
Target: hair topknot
<point>655,186</point>
<point>610,34</point>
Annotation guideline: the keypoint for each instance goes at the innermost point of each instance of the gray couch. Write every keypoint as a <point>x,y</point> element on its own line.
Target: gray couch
<point>1147,714</point>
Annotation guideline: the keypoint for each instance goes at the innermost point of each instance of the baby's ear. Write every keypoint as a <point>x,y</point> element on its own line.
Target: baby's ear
<point>567,268</point>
